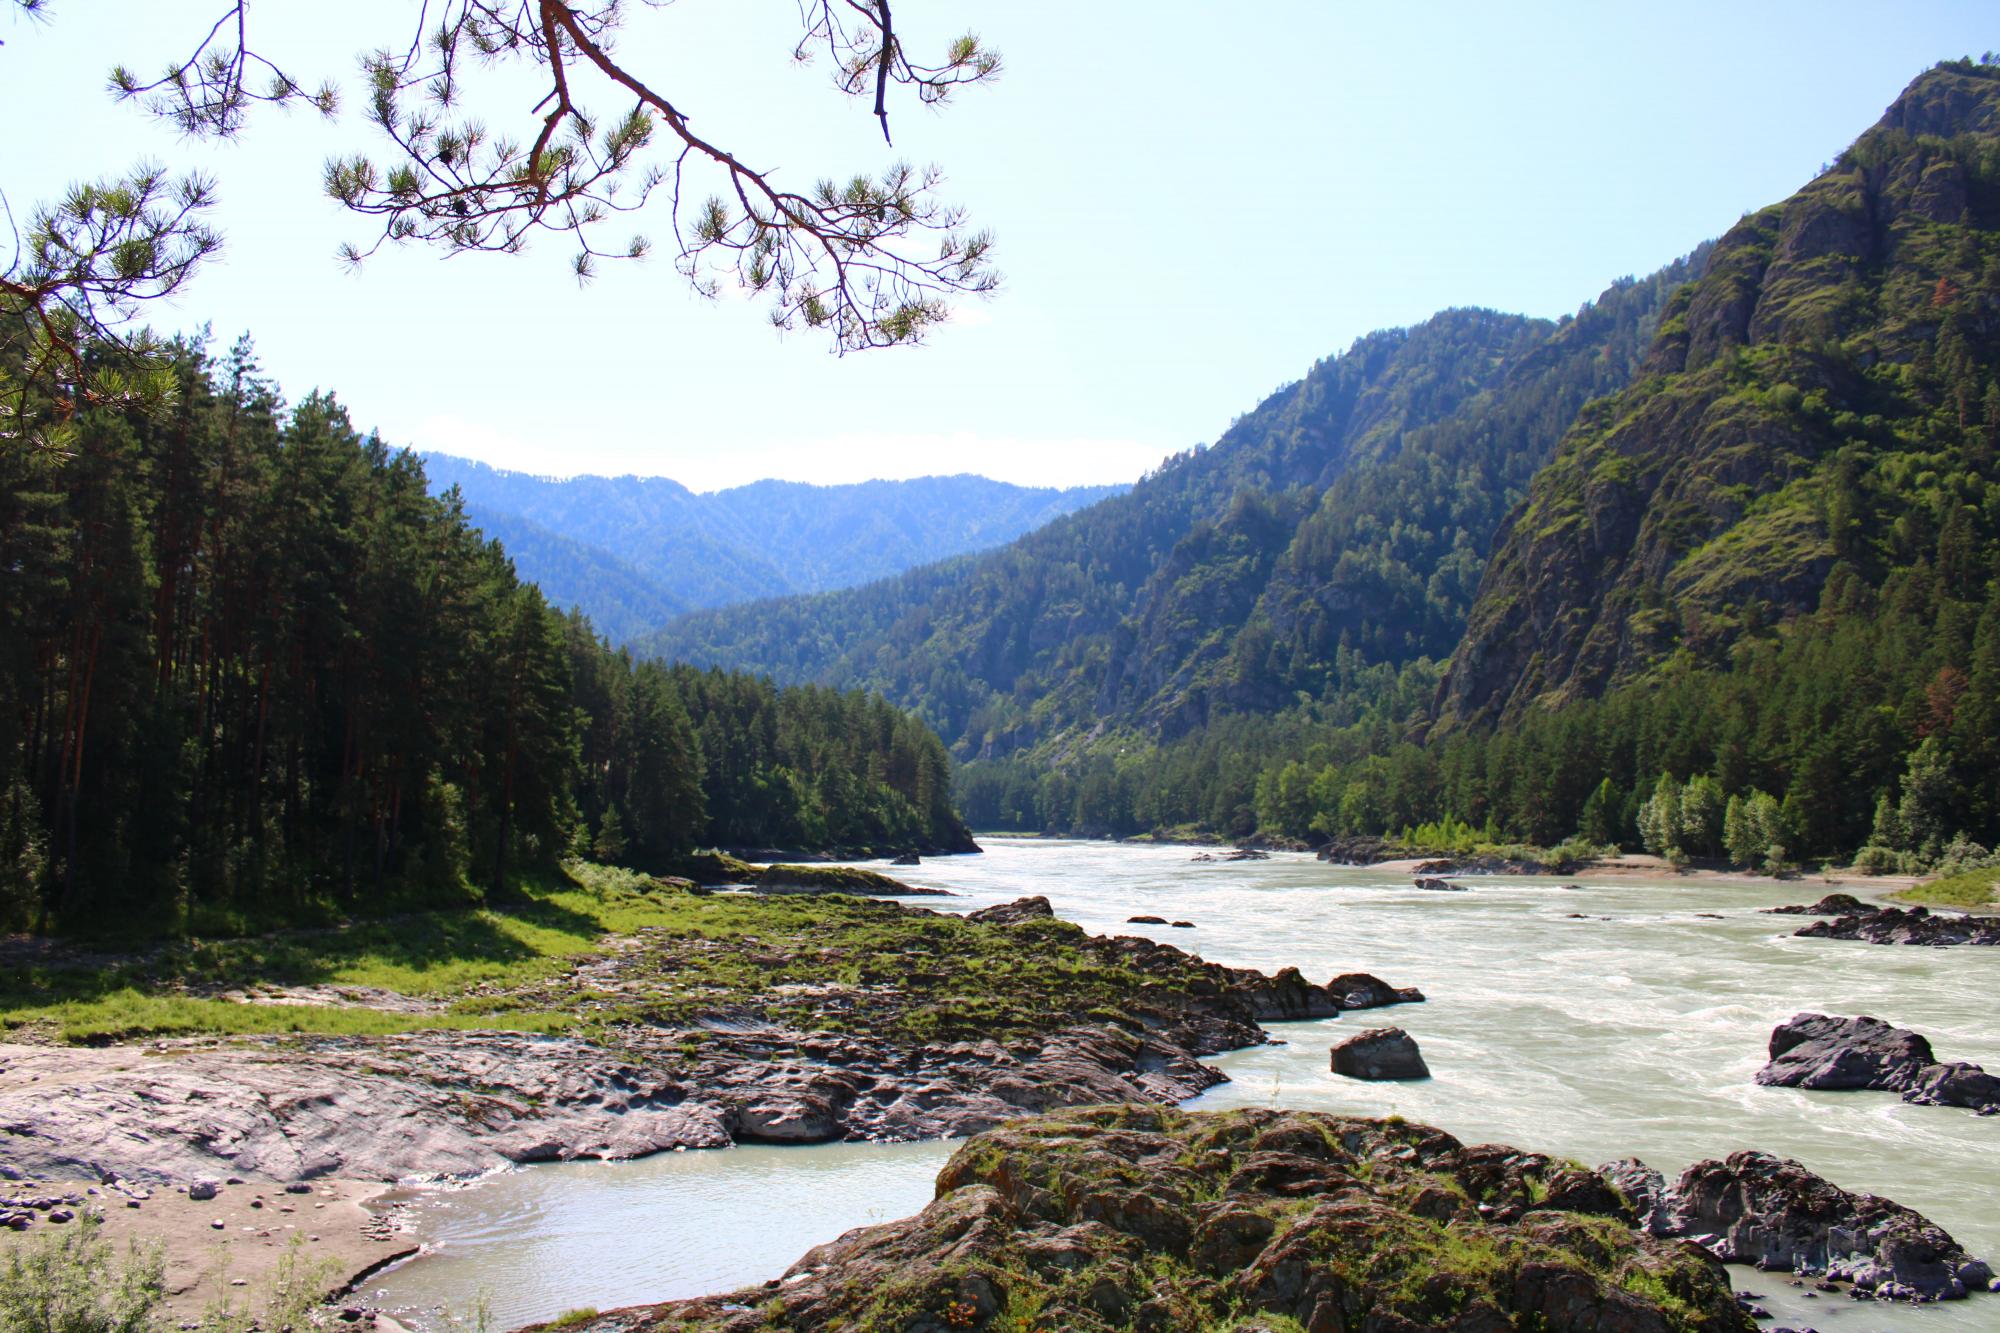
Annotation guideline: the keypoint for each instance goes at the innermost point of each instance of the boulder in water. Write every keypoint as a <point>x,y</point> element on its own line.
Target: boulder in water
<point>1753,1208</point>
<point>1917,925</point>
<point>1825,1052</point>
<point>1362,990</point>
<point>1380,1055</point>
<point>1834,904</point>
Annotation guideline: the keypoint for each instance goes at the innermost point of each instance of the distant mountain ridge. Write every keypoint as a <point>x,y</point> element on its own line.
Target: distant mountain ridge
<point>1343,522</point>
<point>633,552</point>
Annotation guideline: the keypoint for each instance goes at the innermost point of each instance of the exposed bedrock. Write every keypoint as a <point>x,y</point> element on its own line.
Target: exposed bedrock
<point>1144,1218</point>
<point>754,1068</point>
<point>1753,1208</point>
<point>1897,925</point>
<point>1821,1051</point>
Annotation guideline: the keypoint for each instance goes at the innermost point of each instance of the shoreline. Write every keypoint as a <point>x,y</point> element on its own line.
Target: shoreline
<point>230,1247</point>
<point>1637,866</point>
<point>866,1020</point>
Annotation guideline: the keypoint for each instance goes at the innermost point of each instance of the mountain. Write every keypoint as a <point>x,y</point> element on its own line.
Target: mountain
<point>632,552</point>
<point>1713,567</point>
<point>622,601</point>
<point>1816,421</point>
<point>1342,522</point>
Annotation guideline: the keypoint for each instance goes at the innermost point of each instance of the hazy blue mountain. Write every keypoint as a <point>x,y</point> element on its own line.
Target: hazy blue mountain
<point>633,552</point>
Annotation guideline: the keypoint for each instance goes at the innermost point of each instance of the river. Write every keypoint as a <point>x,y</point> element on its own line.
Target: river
<point>1606,1019</point>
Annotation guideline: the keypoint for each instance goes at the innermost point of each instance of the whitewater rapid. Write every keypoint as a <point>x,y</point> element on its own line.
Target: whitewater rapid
<point>1591,1019</point>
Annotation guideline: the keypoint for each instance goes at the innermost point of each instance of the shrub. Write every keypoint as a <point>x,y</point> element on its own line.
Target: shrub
<point>71,1281</point>
<point>1961,854</point>
<point>1877,860</point>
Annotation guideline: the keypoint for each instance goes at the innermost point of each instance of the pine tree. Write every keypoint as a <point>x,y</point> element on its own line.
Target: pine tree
<point>1599,823</point>
<point>1925,810</point>
<point>609,844</point>
<point>1660,819</point>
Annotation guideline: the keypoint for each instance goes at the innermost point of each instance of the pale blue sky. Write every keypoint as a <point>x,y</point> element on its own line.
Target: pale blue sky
<point>1193,203</point>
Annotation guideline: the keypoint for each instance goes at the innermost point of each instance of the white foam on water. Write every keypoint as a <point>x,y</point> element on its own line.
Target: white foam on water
<point>1594,1039</point>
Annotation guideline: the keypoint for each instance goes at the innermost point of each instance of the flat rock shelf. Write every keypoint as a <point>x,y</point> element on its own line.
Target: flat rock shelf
<point>1595,1022</point>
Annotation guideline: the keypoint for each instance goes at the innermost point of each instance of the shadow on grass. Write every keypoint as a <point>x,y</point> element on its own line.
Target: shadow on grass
<point>433,949</point>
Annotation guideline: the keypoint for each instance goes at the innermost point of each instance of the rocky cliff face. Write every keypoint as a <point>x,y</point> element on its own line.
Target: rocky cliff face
<point>1849,327</point>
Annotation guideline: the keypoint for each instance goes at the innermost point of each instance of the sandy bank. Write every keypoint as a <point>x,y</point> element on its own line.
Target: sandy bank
<point>230,1245</point>
<point>1639,866</point>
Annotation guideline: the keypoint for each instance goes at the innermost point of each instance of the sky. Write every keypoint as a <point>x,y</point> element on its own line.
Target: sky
<point>1192,205</point>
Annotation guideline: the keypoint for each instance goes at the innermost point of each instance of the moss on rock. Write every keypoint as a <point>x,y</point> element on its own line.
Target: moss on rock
<point>1133,1217</point>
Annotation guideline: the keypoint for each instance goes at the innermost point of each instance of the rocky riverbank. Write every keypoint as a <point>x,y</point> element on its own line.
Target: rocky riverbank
<point>1150,1219</point>
<point>1845,917</point>
<point>784,1020</point>
<point>1141,1218</point>
<point>1753,1208</point>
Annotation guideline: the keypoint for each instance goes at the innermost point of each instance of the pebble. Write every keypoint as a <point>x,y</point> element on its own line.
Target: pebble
<point>218,1224</point>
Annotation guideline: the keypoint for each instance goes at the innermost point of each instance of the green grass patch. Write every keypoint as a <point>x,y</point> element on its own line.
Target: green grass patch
<point>432,955</point>
<point>821,962</point>
<point>1968,889</point>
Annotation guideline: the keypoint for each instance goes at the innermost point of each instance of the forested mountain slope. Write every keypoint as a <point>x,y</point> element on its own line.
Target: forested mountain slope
<point>632,552</point>
<point>622,601</point>
<point>252,671</point>
<point>1815,431</point>
<point>1353,508</point>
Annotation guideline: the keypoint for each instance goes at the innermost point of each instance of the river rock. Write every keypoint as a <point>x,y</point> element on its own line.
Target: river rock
<point>1432,884</point>
<point>796,878</point>
<point>1145,920</point>
<point>1753,1208</point>
<point>1036,908</point>
<point>1151,1219</point>
<point>1821,1051</point>
<point>1361,990</point>
<point>907,859</point>
<point>1916,925</point>
<point>1489,863</point>
<point>1287,997</point>
<point>1825,1052</point>
<point>803,1118</point>
<point>1834,904</point>
<point>1380,1055</point>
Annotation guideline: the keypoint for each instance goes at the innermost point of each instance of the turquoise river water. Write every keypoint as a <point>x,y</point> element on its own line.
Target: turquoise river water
<point>1631,1028</point>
